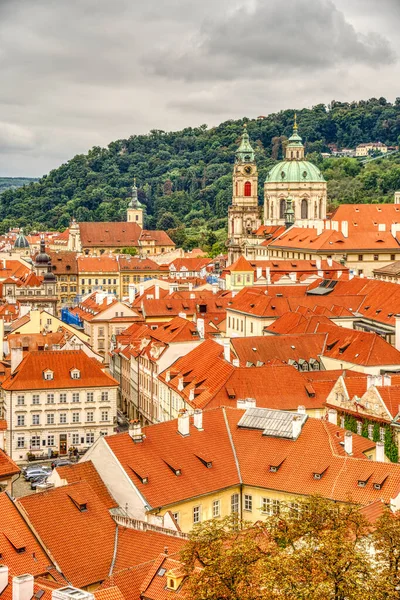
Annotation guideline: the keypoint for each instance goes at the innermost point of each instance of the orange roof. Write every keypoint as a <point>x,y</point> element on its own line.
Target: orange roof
<point>7,466</point>
<point>240,265</point>
<point>15,535</point>
<point>135,547</point>
<point>98,264</point>
<point>86,471</point>
<point>29,374</point>
<point>367,217</point>
<point>319,442</point>
<point>109,234</point>
<point>189,264</point>
<point>12,268</point>
<point>110,593</point>
<point>160,238</point>
<point>133,263</point>
<point>80,540</point>
<point>129,581</point>
<point>261,349</point>
<point>63,262</point>
<point>155,585</point>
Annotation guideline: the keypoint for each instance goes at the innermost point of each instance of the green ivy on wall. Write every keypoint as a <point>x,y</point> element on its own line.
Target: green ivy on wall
<point>391,449</point>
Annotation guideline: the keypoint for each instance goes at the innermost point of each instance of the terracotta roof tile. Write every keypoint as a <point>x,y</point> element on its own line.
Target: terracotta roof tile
<point>86,471</point>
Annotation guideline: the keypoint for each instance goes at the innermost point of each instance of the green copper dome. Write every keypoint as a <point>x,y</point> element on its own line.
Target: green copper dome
<point>295,171</point>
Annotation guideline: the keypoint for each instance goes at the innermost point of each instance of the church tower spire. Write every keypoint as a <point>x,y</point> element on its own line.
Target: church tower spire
<point>243,217</point>
<point>134,212</point>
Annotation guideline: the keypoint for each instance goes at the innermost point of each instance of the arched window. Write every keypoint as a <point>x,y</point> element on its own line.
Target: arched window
<point>304,209</point>
<point>247,188</point>
<point>297,154</point>
<point>291,154</point>
<point>282,208</point>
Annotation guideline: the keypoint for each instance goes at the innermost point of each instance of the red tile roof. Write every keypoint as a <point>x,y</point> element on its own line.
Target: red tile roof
<point>86,471</point>
<point>160,238</point>
<point>333,241</point>
<point>284,348</point>
<point>7,466</point>
<point>29,374</point>
<point>367,217</point>
<point>16,535</point>
<point>135,547</point>
<point>319,441</point>
<point>109,234</point>
<point>98,264</point>
<point>129,581</point>
<point>81,541</point>
<point>133,263</point>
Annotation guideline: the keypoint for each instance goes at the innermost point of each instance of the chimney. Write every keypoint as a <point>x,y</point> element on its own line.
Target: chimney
<point>320,227</point>
<point>131,293</point>
<point>16,358</point>
<point>192,296</point>
<point>141,289</point>
<point>345,228</point>
<point>71,593</point>
<point>168,376</point>
<point>332,416</point>
<point>191,394</point>
<point>348,443</point>
<point>227,349</point>
<point>22,587</point>
<point>198,419</point>
<point>157,291</point>
<point>200,328</point>
<point>268,275</point>
<point>183,422</point>
<point>135,430</point>
<point>215,288</point>
<point>180,384</point>
<point>330,262</point>
<point>380,452</point>
<point>397,332</point>
<point>259,272</point>
<point>318,263</point>
<point>296,426</point>
<point>236,362</point>
<point>3,578</point>
<point>387,379</point>
<point>301,410</point>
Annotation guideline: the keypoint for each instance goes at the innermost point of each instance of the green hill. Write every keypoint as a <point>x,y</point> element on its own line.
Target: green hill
<point>11,183</point>
<point>184,177</point>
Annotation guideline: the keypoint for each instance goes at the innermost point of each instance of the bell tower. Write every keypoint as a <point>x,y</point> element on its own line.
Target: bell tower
<point>243,214</point>
<point>134,212</point>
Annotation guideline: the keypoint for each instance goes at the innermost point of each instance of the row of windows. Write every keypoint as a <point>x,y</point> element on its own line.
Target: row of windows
<point>97,281</point>
<point>51,418</point>
<point>268,506</point>
<point>36,442</point>
<point>238,324</point>
<point>370,429</point>
<point>62,398</point>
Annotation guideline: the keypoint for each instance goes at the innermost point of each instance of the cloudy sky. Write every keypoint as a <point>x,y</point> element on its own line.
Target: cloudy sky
<point>79,73</point>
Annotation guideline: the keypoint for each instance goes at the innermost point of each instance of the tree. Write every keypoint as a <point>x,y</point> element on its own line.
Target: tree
<point>386,542</point>
<point>167,221</point>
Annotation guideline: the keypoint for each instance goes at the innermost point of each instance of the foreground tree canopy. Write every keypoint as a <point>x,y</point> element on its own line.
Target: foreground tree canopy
<point>313,550</point>
<point>184,177</point>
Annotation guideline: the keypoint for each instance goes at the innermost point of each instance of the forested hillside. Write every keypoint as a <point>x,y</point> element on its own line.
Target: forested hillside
<point>7,183</point>
<point>184,177</point>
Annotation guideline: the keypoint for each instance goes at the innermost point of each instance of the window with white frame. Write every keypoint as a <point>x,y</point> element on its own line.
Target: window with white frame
<point>104,396</point>
<point>36,419</point>
<point>75,439</point>
<point>176,517</point>
<point>20,400</point>
<point>90,438</point>
<point>75,374</point>
<point>104,415</point>
<point>20,420</point>
<point>20,441</point>
<point>35,442</point>
<point>75,397</point>
<point>370,431</point>
<point>89,397</point>
<point>50,440</point>
<point>35,399</point>
<point>216,508</point>
<point>63,398</point>
<point>48,374</point>
<point>270,507</point>
<point>75,417</point>
<point>196,514</point>
<point>248,502</point>
<point>50,399</point>
<point>382,434</point>
<point>359,428</point>
<point>63,418</point>
<point>342,422</point>
<point>235,503</point>
<point>90,417</point>
<point>50,418</point>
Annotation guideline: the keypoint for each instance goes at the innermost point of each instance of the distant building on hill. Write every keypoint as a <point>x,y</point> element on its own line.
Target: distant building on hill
<point>366,149</point>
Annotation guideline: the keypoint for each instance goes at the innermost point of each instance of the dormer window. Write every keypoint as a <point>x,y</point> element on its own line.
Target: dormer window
<point>48,375</point>
<point>75,374</point>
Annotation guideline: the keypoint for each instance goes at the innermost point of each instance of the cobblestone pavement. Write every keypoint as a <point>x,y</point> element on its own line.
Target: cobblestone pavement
<point>21,487</point>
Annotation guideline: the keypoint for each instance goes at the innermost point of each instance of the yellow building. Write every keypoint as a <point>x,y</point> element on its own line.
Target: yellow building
<point>251,462</point>
<point>98,273</point>
<point>135,270</point>
<point>369,147</point>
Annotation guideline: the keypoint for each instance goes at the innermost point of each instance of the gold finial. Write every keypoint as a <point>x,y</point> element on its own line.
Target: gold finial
<point>134,181</point>
<point>245,125</point>
<point>295,126</point>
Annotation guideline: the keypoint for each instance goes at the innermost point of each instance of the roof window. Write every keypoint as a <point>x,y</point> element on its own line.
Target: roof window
<point>48,374</point>
<point>75,374</point>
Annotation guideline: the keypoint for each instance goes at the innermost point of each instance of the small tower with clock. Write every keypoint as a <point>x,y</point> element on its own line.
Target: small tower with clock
<point>243,214</point>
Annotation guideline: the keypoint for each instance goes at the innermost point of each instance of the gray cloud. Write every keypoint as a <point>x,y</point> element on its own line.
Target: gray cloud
<point>79,73</point>
<point>264,39</point>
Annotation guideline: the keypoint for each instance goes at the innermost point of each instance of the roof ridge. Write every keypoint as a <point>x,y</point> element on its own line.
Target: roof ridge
<point>232,445</point>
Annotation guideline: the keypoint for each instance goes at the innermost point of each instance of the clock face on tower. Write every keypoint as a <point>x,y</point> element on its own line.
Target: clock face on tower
<point>248,170</point>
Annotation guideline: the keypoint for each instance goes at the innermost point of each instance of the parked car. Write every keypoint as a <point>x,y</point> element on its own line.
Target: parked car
<point>37,471</point>
<point>60,462</point>
<point>35,481</point>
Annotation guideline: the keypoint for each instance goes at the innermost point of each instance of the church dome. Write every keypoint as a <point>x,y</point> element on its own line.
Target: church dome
<point>49,277</point>
<point>294,171</point>
<point>21,241</point>
<point>42,259</point>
